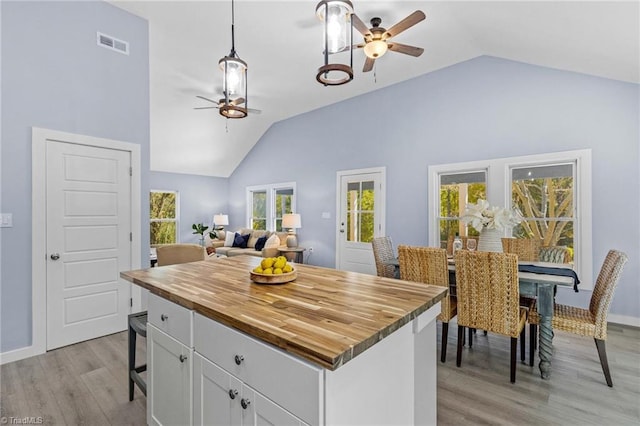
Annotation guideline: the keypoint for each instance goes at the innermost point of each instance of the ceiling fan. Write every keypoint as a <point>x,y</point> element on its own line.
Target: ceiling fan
<point>376,39</point>
<point>220,102</point>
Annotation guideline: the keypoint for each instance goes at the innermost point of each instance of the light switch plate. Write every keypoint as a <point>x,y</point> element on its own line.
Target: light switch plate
<point>326,215</point>
<point>6,220</point>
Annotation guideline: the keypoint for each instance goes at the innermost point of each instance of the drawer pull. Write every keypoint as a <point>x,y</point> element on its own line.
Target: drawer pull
<point>164,317</point>
<point>182,358</point>
<point>245,403</point>
<point>239,359</point>
<point>233,393</point>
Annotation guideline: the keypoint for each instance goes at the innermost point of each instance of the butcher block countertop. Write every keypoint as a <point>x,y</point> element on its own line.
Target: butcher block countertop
<point>325,316</point>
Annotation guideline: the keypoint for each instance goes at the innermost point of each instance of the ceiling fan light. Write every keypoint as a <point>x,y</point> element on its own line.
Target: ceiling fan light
<point>375,49</point>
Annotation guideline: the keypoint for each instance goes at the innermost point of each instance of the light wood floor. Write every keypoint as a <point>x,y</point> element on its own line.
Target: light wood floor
<point>86,384</point>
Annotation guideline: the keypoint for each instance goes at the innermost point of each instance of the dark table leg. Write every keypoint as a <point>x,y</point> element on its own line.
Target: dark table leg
<point>545,310</point>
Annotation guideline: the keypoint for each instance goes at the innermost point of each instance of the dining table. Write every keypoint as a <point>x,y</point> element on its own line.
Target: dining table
<point>538,280</point>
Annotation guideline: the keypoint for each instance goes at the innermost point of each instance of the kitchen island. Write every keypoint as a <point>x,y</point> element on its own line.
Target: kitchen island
<point>330,347</point>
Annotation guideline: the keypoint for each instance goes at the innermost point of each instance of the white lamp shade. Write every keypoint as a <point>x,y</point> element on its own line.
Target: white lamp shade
<point>220,219</point>
<point>291,220</point>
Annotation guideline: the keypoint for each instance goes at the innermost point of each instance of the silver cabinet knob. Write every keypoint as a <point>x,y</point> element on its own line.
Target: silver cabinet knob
<point>233,393</point>
<point>239,359</point>
<point>55,256</point>
<point>164,317</point>
<point>245,403</point>
<point>183,358</point>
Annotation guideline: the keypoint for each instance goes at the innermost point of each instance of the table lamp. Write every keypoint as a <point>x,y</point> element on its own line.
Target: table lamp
<point>291,221</point>
<point>219,222</point>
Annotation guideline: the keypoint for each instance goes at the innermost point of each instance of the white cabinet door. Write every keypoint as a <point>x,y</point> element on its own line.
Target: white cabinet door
<point>169,379</point>
<point>266,413</point>
<point>216,394</point>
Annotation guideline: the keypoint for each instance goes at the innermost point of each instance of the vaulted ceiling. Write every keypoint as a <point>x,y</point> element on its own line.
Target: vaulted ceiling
<point>281,43</point>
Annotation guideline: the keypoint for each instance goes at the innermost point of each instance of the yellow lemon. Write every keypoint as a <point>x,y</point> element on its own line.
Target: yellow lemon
<point>284,259</point>
<point>257,270</point>
<point>268,271</point>
<point>267,262</point>
<point>279,263</point>
<point>287,268</point>
<point>277,271</point>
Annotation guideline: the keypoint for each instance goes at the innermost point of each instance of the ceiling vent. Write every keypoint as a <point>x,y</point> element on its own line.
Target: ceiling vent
<point>113,43</point>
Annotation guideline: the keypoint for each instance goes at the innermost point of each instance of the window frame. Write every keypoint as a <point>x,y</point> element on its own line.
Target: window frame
<point>499,193</point>
<point>271,191</point>
<point>177,214</point>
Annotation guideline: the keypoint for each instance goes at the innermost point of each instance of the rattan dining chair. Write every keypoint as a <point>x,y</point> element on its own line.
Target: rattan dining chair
<point>590,322</point>
<point>383,252</point>
<point>555,254</point>
<point>487,290</point>
<point>429,265</point>
<point>527,249</point>
<point>172,254</point>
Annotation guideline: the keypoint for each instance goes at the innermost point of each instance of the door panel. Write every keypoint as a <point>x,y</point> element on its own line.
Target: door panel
<point>88,242</point>
<point>360,218</point>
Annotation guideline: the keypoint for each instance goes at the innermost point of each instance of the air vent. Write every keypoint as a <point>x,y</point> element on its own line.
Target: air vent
<point>113,43</point>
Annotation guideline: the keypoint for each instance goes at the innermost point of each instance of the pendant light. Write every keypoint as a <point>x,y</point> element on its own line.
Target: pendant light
<point>234,85</point>
<point>338,36</point>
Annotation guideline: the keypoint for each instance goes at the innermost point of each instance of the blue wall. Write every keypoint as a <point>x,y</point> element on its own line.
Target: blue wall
<point>480,109</point>
<point>200,198</point>
<point>54,76</point>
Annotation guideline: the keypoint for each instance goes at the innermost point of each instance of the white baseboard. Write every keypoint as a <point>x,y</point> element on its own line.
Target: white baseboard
<point>624,320</point>
<point>18,354</point>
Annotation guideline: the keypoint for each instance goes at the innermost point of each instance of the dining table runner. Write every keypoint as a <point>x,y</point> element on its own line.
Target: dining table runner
<point>537,269</point>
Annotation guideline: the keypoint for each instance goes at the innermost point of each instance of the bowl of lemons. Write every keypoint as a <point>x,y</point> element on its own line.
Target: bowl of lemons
<point>273,270</point>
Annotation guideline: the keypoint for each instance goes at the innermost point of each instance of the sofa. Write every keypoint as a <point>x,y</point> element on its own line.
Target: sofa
<point>222,249</point>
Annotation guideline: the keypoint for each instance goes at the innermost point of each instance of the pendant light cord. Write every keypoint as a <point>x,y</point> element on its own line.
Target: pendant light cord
<point>233,38</point>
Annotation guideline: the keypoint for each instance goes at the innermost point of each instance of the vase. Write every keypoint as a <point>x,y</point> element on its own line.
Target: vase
<point>490,240</point>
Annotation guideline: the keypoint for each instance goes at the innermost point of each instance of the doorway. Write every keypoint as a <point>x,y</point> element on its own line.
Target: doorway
<point>361,207</point>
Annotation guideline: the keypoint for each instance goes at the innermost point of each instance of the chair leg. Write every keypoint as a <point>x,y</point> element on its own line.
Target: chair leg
<point>514,349</point>
<point>460,338</point>
<point>602,353</point>
<point>471,337</point>
<point>445,336</point>
<point>132,360</point>
<point>523,338</point>
<point>533,342</point>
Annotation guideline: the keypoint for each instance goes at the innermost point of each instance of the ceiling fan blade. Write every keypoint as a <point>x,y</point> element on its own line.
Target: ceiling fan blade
<point>405,48</point>
<point>254,111</point>
<point>368,64</point>
<point>360,26</point>
<point>207,99</point>
<point>406,23</point>
<point>237,101</point>
<point>213,107</point>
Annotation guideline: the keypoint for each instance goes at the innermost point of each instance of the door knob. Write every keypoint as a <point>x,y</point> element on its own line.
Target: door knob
<point>342,231</point>
<point>55,256</point>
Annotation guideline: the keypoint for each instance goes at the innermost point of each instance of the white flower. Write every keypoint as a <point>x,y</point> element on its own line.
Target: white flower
<point>481,215</point>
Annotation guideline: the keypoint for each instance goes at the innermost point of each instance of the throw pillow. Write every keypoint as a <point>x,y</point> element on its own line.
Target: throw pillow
<point>228,240</point>
<point>272,242</point>
<point>260,243</point>
<point>240,241</point>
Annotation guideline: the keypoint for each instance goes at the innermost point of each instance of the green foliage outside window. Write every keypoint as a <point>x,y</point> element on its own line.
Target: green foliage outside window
<point>163,220</point>
<point>360,212</point>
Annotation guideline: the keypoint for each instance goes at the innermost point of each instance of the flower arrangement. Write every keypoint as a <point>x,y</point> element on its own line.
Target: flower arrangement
<point>481,215</point>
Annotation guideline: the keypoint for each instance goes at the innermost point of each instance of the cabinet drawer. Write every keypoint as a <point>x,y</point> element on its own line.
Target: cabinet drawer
<point>171,318</point>
<point>290,382</point>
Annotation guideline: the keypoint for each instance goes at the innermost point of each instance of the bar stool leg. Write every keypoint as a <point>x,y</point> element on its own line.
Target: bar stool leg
<point>132,359</point>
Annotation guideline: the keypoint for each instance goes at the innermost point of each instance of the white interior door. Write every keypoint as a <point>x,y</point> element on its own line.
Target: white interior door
<point>88,208</point>
<point>361,208</point>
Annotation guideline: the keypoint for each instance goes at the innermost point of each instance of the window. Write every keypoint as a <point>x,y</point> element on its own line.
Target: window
<point>456,190</point>
<point>266,204</point>
<point>545,196</point>
<point>360,211</point>
<point>552,191</point>
<point>164,218</point>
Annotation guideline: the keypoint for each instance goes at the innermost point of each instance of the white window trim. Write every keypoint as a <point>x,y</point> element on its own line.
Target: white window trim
<point>499,193</point>
<point>176,220</point>
<point>270,189</point>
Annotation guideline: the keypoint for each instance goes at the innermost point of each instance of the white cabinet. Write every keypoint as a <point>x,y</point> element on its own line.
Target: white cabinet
<point>222,399</point>
<point>169,363</point>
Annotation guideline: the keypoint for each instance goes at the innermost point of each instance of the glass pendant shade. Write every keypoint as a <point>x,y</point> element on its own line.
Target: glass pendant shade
<point>337,37</point>
<point>234,72</point>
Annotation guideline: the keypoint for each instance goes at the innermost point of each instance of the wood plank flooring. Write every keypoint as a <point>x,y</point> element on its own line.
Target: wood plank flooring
<point>86,384</point>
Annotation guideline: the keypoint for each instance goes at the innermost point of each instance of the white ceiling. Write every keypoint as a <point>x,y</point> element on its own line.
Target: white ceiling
<point>281,43</point>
